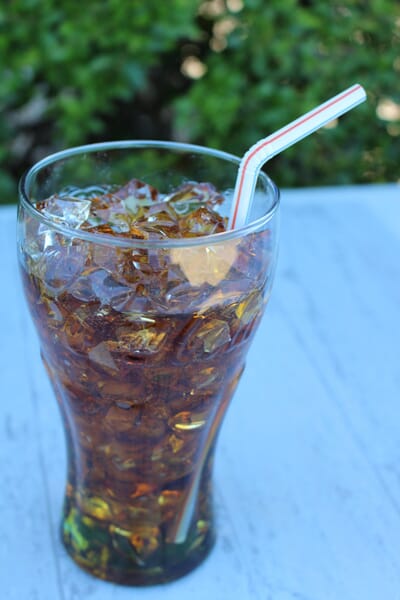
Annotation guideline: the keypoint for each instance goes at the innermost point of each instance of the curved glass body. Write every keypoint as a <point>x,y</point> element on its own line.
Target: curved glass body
<point>144,341</point>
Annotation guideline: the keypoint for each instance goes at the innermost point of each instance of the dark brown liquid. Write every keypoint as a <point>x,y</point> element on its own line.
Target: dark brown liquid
<point>144,347</point>
<point>142,394</point>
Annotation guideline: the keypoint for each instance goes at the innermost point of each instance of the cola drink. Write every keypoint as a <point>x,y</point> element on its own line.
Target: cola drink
<point>145,314</point>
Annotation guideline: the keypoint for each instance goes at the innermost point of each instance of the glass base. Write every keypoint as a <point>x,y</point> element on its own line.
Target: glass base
<point>129,558</point>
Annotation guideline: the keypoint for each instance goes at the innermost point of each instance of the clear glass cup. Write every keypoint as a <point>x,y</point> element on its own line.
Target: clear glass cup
<point>144,341</point>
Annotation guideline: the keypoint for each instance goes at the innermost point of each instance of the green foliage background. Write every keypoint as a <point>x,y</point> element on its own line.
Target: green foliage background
<point>222,73</point>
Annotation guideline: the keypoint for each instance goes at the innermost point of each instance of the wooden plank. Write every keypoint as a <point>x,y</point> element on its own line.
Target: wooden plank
<point>316,520</point>
<point>351,317</point>
<point>27,565</point>
<point>331,520</point>
<point>337,288</point>
<point>306,472</point>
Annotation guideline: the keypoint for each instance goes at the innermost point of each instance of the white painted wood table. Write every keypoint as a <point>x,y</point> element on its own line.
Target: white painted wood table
<point>308,461</point>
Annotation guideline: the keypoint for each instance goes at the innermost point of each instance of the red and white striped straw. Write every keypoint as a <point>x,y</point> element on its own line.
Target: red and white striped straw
<point>275,143</point>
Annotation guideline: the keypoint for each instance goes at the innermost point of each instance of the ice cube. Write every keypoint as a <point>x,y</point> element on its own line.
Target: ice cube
<point>36,238</point>
<point>47,237</point>
<point>67,211</point>
<point>107,289</point>
<point>213,333</point>
<point>206,264</point>
<point>204,378</point>
<point>161,219</point>
<point>120,223</point>
<point>202,221</point>
<point>203,336</point>
<point>136,195</point>
<point>249,308</point>
<point>59,266</point>
<point>146,341</point>
<point>101,355</point>
<point>190,196</point>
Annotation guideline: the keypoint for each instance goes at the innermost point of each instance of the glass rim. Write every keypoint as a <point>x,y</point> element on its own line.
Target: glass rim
<point>109,239</point>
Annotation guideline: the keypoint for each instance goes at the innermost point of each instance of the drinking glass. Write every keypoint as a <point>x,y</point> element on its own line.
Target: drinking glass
<point>144,341</point>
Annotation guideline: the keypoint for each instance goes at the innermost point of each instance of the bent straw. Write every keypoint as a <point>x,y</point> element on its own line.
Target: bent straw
<point>275,143</point>
<point>251,163</point>
<point>178,530</point>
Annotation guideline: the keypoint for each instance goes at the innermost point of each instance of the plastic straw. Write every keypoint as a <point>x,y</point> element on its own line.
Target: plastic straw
<point>178,530</point>
<point>275,143</point>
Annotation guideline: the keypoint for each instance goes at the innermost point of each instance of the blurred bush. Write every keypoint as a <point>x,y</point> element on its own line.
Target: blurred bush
<point>222,73</point>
